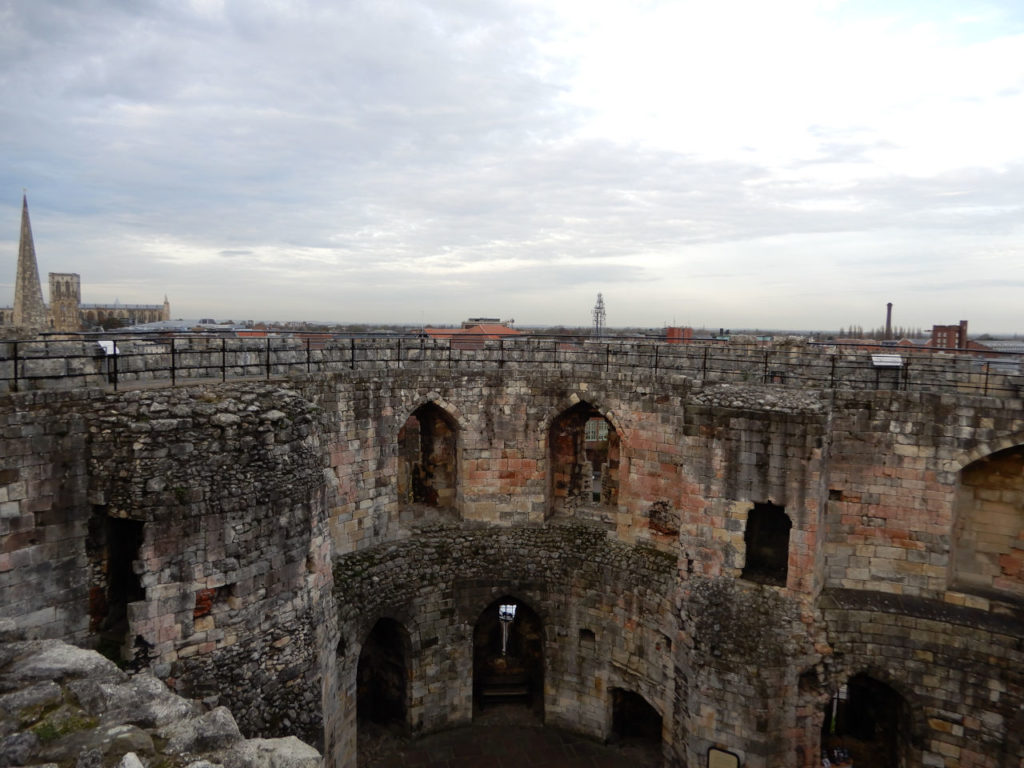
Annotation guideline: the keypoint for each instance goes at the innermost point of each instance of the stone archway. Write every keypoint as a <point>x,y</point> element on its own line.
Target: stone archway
<point>508,657</point>
<point>382,676</point>
<point>988,531</point>
<point>868,722</point>
<point>583,455</point>
<point>428,459</point>
<point>634,720</point>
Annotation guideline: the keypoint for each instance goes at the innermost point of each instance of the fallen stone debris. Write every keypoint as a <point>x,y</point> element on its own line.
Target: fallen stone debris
<point>67,707</point>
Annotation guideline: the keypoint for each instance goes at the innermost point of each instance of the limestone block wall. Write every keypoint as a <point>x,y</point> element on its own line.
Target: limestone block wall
<point>748,447</point>
<point>988,533</point>
<point>960,669</point>
<point>894,480</point>
<point>747,651</point>
<point>183,529</point>
<point>44,514</point>
<point>667,459</point>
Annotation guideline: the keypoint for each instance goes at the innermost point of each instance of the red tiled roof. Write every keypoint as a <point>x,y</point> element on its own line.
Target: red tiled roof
<point>472,337</point>
<point>487,330</point>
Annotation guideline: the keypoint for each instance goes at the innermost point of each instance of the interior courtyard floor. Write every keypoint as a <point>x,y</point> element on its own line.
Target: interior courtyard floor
<point>503,736</point>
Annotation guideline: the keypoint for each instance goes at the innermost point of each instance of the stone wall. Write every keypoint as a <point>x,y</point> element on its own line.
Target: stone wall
<point>961,670</point>
<point>219,584</point>
<point>894,484</point>
<point>44,439</point>
<point>61,363</point>
<point>245,496</point>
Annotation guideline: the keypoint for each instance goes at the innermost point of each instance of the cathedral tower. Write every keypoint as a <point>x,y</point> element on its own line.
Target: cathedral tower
<point>65,301</point>
<point>29,310</point>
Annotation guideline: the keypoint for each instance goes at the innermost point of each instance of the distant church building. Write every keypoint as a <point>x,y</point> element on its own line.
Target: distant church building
<point>66,312</point>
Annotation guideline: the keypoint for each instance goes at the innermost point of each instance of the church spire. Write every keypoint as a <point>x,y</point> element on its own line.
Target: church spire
<point>29,309</point>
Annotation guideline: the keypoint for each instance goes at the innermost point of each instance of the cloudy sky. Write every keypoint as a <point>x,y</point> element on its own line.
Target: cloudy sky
<point>741,163</point>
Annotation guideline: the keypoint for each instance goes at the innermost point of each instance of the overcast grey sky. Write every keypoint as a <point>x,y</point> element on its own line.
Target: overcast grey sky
<point>787,164</point>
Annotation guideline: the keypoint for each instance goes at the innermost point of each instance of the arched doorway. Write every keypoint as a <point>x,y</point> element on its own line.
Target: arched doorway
<point>427,459</point>
<point>382,676</point>
<point>867,723</point>
<point>634,720</point>
<point>508,657</point>
<point>583,450</point>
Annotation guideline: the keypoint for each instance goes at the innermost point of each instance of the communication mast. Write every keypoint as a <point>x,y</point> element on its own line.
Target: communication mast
<point>599,317</point>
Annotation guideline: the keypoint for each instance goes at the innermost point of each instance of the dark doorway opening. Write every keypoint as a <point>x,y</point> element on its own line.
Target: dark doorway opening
<point>584,458</point>
<point>113,548</point>
<point>767,544</point>
<point>508,657</point>
<point>382,676</point>
<point>427,467</point>
<point>867,723</point>
<point>633,719</point>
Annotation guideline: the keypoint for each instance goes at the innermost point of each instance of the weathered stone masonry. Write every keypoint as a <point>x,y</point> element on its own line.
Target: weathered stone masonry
<point>256,501</point>
<point>226,488</point>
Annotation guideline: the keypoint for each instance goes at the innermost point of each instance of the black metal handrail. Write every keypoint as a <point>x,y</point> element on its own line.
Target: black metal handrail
<point>173,359</point>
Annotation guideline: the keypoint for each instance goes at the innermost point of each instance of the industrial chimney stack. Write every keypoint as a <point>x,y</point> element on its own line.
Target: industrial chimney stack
<point>888,321</point>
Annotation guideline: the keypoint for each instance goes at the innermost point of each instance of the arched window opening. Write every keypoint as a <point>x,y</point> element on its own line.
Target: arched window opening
<point>508,657</point>
<point>113,548</point>
<point>867,723</point>
<point>584,459</point>
<point>767,544</point>
<point>381,678</point>
<point>988,536</point>
<point>427,468</point>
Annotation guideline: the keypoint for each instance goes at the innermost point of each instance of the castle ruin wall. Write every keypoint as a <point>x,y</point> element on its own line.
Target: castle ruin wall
<point>273,538</point>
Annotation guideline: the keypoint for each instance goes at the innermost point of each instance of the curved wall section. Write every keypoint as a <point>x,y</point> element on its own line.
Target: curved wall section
<point>183,530</point>
<point>605,610</point>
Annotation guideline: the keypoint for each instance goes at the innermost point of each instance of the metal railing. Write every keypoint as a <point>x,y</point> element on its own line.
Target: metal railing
<point>133,361</point>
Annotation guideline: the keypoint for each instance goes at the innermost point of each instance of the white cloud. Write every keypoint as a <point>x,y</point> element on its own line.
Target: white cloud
<point>795,163</point>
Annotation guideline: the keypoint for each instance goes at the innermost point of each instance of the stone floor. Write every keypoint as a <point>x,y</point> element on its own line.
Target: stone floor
<point>502,737</point>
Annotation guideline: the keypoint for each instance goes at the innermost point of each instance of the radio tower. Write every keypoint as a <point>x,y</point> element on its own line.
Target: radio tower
<point>599,317</point>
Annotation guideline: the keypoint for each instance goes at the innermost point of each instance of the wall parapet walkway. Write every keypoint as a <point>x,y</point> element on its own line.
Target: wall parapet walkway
<point>130,361</point>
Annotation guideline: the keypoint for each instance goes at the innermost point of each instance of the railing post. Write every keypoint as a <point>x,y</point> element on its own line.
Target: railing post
<point>352,351</point>
<point>223,358</point>
<point>607,355</point>
<point>174,372</point>
<point>988,367</point>
<point>656,347</point>
<point>113,375</point>
<point>832,378</point>
<point>764,374</point>
<point>704,365</point>
<point>501,353</point>
<point>309,362</point>
<point>268,356</point>
<point>14,384</point>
